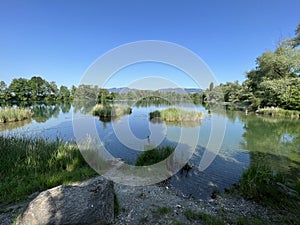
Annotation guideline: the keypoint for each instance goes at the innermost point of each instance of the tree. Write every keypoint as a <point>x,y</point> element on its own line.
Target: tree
<point>19,90</point>
<point>3,90</point>
<point>276,77</point>
<point>283,92</point>
<point>296,40</point>
<point>53,93</point>
<point>103,96</point>
<point>211,86</point>
<point>39,88</point>
<point>73,91</point>
<point>64,93</point>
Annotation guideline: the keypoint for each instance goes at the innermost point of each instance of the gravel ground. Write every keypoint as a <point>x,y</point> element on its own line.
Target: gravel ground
<point>159,204</point>
<point>141,205</point>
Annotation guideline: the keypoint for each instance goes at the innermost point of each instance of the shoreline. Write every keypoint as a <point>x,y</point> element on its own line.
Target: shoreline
<point>160,204</point>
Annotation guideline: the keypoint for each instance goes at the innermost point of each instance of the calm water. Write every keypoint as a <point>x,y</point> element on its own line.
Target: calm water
<point>247,140</point>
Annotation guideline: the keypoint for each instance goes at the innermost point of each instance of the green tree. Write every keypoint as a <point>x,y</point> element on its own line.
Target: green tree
<point>73,91</point>
<point>275,78</point>
<point>19,90</point>
<point>296,40</point>
<point>283,92</point>
<point>53,91</point>
<point>64,93</point>
<point>103,96</point>
<point>211,86</point>
<point>39,88</point>
<point>3,90</point>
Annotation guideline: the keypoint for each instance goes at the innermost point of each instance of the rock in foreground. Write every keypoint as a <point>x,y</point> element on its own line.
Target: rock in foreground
<point>88,202</point>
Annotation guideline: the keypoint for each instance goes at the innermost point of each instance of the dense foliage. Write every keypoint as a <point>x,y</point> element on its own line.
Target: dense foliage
<point>274,82</point>
<point>34,89</point>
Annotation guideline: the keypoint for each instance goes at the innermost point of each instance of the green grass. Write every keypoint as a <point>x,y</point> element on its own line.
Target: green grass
<point>30,165</point>
<point>108,111</point>
<point>153,156</point>
<point>260,183</point>
<point>14,114</point>
<point>176,115</point>
<point>275,111</point>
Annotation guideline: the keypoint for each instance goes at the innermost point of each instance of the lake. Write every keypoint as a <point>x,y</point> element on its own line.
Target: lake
<point>248,139</point>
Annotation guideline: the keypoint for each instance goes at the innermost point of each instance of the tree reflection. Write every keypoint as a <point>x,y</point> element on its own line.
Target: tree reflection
<point>273,143</point>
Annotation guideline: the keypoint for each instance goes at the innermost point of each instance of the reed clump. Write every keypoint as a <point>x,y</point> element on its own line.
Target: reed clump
<point>176,115</point>
<point>34,164</point>
<point>10,114</point>
<point>109,111</point>
<point>275,111</point>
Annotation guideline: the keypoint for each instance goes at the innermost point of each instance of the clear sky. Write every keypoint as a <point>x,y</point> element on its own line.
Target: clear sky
<point>59,39</point>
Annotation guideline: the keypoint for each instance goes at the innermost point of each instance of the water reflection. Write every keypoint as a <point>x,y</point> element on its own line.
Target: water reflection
<point>185,124</point>
<point>14,125</point>
<point>249,140</point>
<point>42,112</point>
<point>273,143</point>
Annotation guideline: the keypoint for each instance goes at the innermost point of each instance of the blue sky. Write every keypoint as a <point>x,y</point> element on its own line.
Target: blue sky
<point>59,40</point>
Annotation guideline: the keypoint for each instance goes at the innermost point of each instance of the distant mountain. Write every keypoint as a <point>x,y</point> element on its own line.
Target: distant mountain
<point>124,90</point>
<point>176,90</point>
<point>182,90</point>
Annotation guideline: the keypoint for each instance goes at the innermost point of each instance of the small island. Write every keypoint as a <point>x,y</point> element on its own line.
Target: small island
<point>176,115</point>
<point>110,111</point>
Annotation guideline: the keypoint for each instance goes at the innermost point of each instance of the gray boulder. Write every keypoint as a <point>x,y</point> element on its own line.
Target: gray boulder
<point>87,202</point>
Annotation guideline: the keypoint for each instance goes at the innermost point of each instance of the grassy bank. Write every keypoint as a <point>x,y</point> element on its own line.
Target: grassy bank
<point>30,165</point>
<point>261,184</point>
<point>108,111</point>
<point>14,114</point>
<point>274,111</point>
<point>176,115</point>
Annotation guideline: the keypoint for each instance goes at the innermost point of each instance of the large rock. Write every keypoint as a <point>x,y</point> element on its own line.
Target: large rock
<point>88,202</point>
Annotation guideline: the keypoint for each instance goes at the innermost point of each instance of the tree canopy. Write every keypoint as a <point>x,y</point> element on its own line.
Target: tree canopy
<point>274,82</point>
<point>34,89</point>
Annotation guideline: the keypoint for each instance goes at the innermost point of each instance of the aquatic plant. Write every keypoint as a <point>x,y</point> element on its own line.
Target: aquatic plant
<point>153,156</point>
<point>275,111</point>
<point>176,115</point>
<point>14,114</point>
<point>109,111</point>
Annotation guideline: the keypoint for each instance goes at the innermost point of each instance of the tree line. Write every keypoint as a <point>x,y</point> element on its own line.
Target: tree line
<point>34,89</point>
<point>274,82</point>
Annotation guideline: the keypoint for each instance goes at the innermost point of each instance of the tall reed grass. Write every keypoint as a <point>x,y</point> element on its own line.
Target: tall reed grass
<point>176,115</point>
<point>14,114</point>
<point>275,111</point>
<point>30,165</point>
<point>110,110</point>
